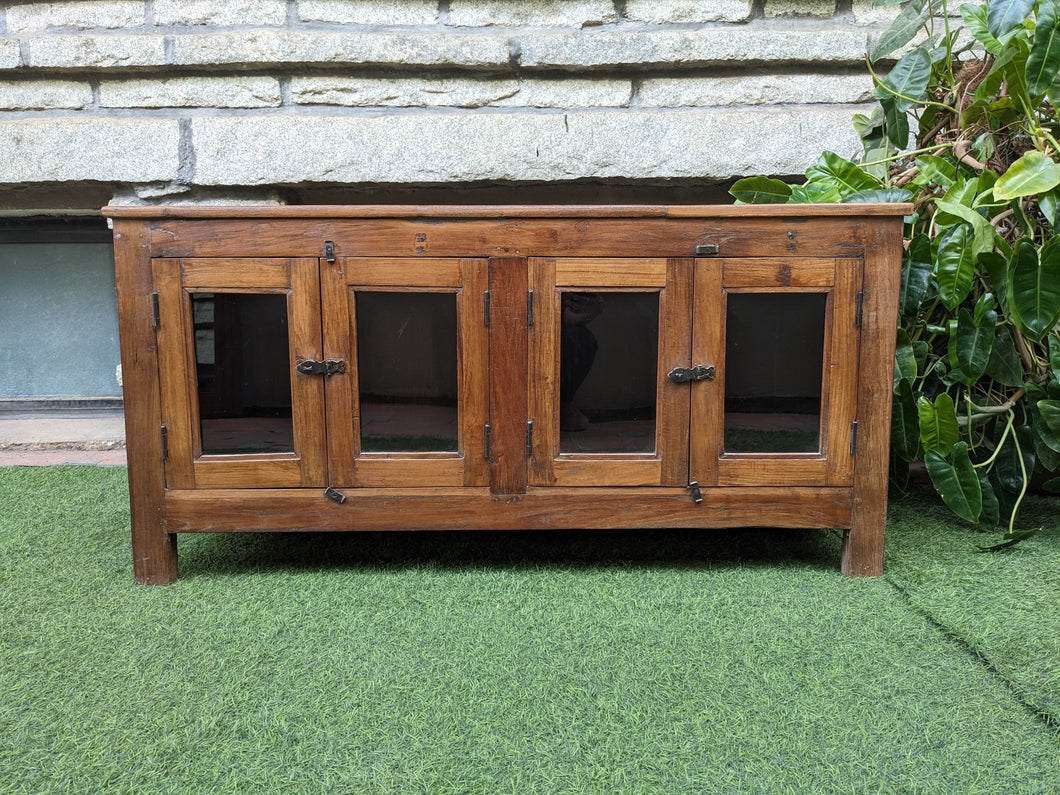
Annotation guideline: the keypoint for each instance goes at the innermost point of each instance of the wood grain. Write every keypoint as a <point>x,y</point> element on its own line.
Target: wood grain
<point>778,273</point>
<point>154,546</point>
<point>863,545</point>
<point>708,348</point>
<point>403,271</point>
<point>595,272</point>
<point>509,410</point>
<point>476,509</point>
<point>522,237</point>
<point>544,342</point>
<point>473,354</point>
<point>511,211</point>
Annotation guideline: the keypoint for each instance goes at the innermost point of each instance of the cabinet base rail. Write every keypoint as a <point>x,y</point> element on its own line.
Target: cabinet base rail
<point>285,510</point>
<point>302,509</point>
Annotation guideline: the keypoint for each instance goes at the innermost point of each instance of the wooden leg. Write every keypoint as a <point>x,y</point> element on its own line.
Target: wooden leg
<point>154,556</point>
<point>863,547</point>
<point>154,550</point>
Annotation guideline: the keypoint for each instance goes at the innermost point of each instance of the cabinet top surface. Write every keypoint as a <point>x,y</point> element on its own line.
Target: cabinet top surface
<point>853,210</point>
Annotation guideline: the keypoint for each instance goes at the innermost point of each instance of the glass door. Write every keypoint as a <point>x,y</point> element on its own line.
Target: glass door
<point>231,335</point>
<point>605,333</point>
<point>781,407</point>
<point>411,408</point>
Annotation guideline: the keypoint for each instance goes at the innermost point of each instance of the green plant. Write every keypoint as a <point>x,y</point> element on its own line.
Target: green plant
<point>966,129</point>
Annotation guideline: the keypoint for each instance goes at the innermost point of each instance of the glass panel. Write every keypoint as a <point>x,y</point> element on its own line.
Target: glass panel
<point>774,354</point>
<point>609,361</point>
<point>244,372</point>
<point>407,369</point>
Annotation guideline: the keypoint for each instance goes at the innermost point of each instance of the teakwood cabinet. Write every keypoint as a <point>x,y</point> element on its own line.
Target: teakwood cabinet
<point>376,367</point>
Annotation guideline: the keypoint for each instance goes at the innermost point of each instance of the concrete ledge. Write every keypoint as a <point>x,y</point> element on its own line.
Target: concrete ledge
<point>74,149</point>
<point>528,146</point>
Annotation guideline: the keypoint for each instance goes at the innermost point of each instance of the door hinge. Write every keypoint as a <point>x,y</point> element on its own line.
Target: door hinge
<point>156,318</point>
<point>486,308</point>
<point>165,443</point>
<point>854,437</point>
<point>529,439</point>
<point>859,308</point>
<point>529,308</point>
<point>326,367</point>
<point>329,251</point>
<point>486,442</point>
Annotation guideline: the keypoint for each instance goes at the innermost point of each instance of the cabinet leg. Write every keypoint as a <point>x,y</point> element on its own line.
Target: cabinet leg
<point>154,556</point>
<point>863,549</point>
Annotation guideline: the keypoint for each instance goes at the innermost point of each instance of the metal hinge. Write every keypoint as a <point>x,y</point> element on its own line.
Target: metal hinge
<point>529,308</point>
<point>329,251</point>
<point>529,439</point>
<point>165,443</point>
<point>486,442</point>
<point>709,250</point>
<point>854,437</point>
<point>486,308</point>
<point>156,318</point>
<point>858,310</point>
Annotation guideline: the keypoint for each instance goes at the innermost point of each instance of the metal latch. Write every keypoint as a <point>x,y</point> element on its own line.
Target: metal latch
<point>329,251</point>
<point>335,495</point>
<point>326,367</point>
<point>710,250</point>
<point>697,495</point>
<point>682,375</point>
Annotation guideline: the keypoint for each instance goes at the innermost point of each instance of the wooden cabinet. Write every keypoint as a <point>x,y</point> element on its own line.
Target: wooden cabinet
<point>348,368</point>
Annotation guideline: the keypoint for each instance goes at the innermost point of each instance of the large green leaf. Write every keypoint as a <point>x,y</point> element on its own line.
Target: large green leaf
<point>1007,467</point>
<point>1033,173</point>
<point>1044,60</point>
<point>815,193</point>
<point>957,482</point>
<point>761,190</point>
<point>991,513</point>
<point>983,237</point>
<point>916,272</point>
<point>879,196</point>
<point>896,122</point>
<point>1034,287</point>
<point>1005,366</point>
<point>956,265</point>
<point>905,26</point>
<point>832,169</point>
<point>938,423</point>
<point>1003,16</point>
<point>1046,444</point>
<point>1050,411</point>
<point>937,170</point>
<point>975,19</point>
<point>905,423</point>
<point>973,343</point>
<point>1054,355</point>
<point>996,267</point>
<point>908,80</point>
<point>904,360</point>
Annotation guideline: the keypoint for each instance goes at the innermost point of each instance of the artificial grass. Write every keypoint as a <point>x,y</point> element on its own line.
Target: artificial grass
<point>661,662</point>
<point>1003,605</point>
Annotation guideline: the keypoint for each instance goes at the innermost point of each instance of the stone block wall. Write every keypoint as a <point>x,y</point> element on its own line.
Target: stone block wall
<point>377,100</point>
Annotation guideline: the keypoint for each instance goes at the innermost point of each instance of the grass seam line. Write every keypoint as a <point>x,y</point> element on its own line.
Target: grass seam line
<point>1050,720</point>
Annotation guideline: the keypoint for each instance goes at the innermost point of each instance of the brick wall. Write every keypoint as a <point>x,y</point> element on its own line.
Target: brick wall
<point>333,100</point>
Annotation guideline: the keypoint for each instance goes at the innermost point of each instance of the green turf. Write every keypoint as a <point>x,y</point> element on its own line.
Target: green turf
<point>663,662</point>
